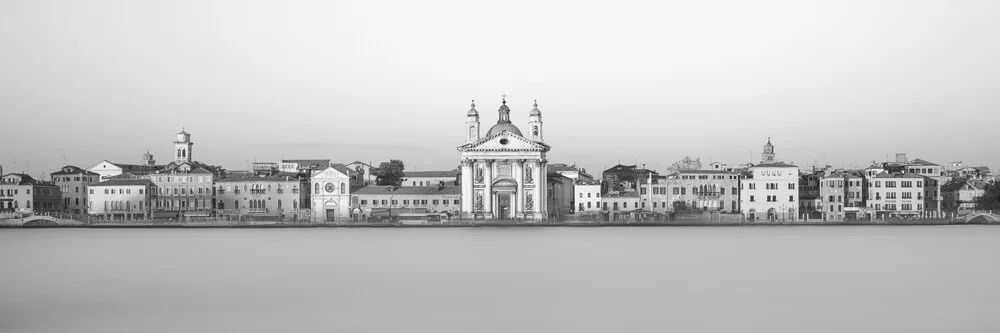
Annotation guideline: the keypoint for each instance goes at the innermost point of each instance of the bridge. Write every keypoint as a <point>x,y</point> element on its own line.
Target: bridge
<point>39,221</point>
<point>980,218</point>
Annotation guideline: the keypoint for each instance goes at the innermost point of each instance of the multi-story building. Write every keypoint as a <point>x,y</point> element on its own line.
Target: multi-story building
<point>895,192</point>
<point>962,194</point>
<point>305,167</point>
<point>381,201</point>
<point>769,191</point>
<point>624,177</point>
<point>73,182</point>
<point>430,178</point>
<point>120,199</point>
<point>587,195</point>
<point>331,196</point>
<point>710,190</point>
<point>842,195</point>
<point>183,190</point>
<point>264,195</point>
<point>20,193</point>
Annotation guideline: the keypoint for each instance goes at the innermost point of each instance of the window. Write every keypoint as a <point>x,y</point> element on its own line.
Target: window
<point>683,190</point>
<point>588,204</point>
<point>316,188</point>
<point>435,202</point>
<point>456,201</point>
<point>722,191</point>
<point>890,183</point>
<point>907,195</point>
<point>751,199</point>
<point>753,186</point>
<point>890,195</point>
<point>878,183</point>
<point>395,202</point>
<point>791,186</point>
<point>920,184</point>
<point>140,191</point>
<point>677,191</point>
<point>406,202</point>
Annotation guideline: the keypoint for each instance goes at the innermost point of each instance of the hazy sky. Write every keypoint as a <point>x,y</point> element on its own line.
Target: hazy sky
<point>650,82</point>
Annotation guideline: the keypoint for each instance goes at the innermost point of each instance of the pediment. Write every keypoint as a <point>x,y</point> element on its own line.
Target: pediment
<point>330,173</point>
<point>505,141</point>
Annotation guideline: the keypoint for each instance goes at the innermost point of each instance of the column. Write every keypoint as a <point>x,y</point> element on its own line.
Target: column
<point>517,171</point>
<point>467,188</point>
<point>541,190</point>
<point>488,201</point>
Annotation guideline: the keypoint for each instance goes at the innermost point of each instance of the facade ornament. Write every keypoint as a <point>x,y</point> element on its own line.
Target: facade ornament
<point>479,200</point>
<point>528,200</point>
<point>479,174</point>
<point>527,174</point>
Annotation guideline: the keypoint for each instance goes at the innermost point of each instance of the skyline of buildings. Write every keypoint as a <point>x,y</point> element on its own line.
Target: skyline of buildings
<point>502,174</point>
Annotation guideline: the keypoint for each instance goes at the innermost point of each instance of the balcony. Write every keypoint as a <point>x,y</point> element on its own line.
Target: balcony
<point>280,191</point>
<point>257,211</point>
<point>708,195</point>
<point>258,191</point>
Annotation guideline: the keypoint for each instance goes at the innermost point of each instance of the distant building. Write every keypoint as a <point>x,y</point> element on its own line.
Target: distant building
<point>20,193</point>
<point>655,192</point>
<point>381,199</point>
<point>331,196</point>
<point>570,171</point>
<point>430,178</point>
<point>895,192</point>
<point>73,182</point>
<point>962,194</point>
<point>305,167</point>
<point>183,190</point>
<point>107,169</point>
<point>364,174</point>
<point>712,190</point>
<point>770,190</point>
<point>120,198</point>
<point>624,177</point>
<point>842,195</point>
<point>265,195</point>
<point>587,195</point>
<point>560,195</point>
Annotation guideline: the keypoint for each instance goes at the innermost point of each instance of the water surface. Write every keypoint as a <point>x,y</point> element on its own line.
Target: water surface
<point>640,279</point>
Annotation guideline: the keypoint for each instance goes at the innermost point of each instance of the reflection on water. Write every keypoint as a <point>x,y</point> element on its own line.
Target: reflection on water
<point>704,279</point>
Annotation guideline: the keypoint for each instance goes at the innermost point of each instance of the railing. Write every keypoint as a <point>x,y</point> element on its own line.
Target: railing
<point>280,191</point>
<point>257,210</point>
<point>258,191</point>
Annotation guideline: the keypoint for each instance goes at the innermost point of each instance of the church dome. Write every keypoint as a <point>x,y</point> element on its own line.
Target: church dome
<point>499,127</point>
<point>535,111</point>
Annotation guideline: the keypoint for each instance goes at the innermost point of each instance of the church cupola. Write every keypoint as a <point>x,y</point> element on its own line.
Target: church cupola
<point>503,123</point>
<point>535,123</point>
<point>182,147</point>
<point>768,155</point>
<point>472,124</point>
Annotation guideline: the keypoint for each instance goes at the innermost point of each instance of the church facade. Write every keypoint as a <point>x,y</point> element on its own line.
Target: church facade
<point>504,172</point>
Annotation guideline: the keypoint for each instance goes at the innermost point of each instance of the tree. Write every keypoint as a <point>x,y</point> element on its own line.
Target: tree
<point>990,200</point>
<point>389,173</point>
<point>686,163</point>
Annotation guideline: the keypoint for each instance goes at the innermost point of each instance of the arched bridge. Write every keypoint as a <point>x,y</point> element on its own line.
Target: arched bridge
<point>980,218</point>
<point>39,221</point>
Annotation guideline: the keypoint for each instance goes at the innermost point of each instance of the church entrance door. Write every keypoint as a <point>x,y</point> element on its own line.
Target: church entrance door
<point>503,206</point>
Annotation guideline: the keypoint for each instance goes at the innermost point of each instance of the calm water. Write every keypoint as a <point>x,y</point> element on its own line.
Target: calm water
<point>707,279</point>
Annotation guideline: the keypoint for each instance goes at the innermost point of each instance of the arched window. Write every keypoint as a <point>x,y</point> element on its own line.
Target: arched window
<point>316,188</point>
<point>236,204</point>
<point>27,204</point>
<point>178,153</point>
<point>279,204</point>
<point>295,204</point>
<point>343,188</point>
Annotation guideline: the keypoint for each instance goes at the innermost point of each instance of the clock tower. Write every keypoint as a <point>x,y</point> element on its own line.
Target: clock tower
<point>183,147</point>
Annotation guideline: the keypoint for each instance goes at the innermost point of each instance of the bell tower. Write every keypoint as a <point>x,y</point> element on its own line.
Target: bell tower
<point>472,124</point>
<point>182,147</point>
<point>535,123</point>
<point>768,155</point>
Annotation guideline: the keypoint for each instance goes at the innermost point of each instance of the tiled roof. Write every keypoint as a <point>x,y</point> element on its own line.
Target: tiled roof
<point>437,174</point>
<point>249,177</point>
<point>73,170</point>
<point>342,168</point>
<point>774,165</point>
<point>884,174</point>
<point>588,182</point>
<point>707,172</point>
<point>408,190</point>
<point>124,182</point>
<point>623,194</point>
<point>843,174</point>
<point>25,179</point>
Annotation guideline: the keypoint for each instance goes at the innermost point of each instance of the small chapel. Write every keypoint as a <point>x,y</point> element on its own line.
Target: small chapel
<point>504,171</point>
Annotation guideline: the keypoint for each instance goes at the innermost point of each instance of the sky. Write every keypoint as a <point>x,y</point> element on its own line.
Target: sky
<point>830,82</point>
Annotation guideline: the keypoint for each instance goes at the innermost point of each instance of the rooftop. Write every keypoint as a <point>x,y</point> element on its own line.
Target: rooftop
<point>416,190</point>
<point>124,182</point>
<point>428,174</point>
<point>774,165</point>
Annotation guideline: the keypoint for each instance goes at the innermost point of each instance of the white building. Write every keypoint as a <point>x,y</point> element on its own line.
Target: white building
<point>120,198</point>
<point>588,196</point>
<point>504,172</point>
<point>896,193</point>
<point>331,197</point>
<point>430,178</point>
<point>770,192</point>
